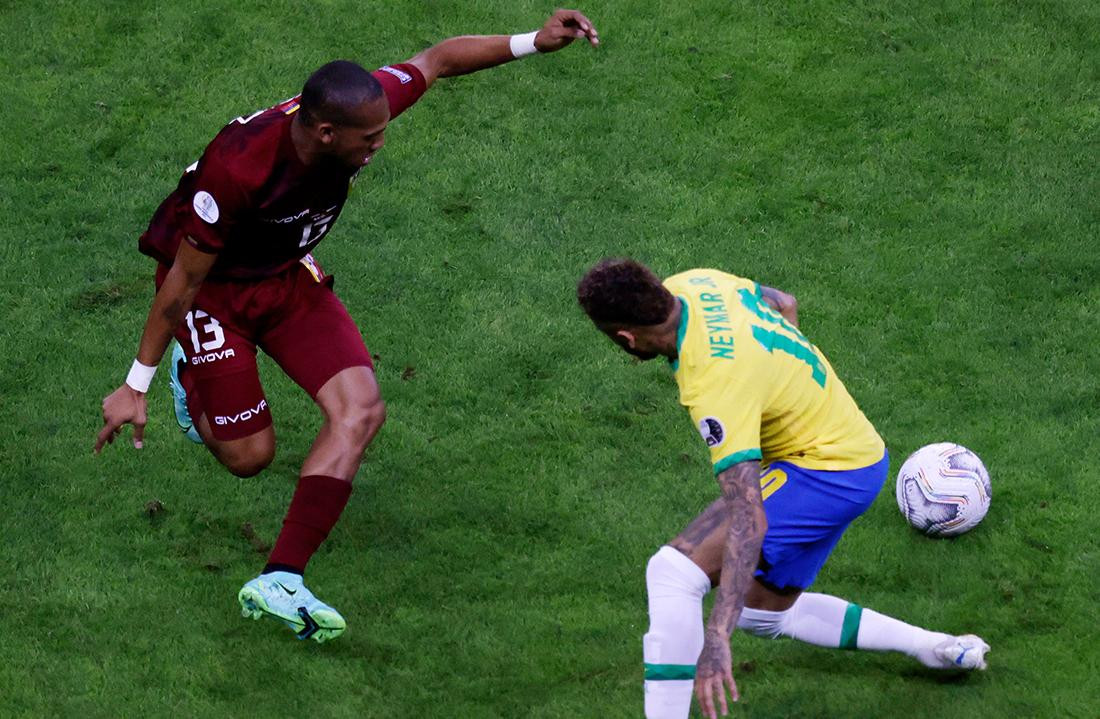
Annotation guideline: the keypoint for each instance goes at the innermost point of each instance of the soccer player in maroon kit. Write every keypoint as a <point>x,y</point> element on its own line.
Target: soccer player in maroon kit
<point>235,274</point>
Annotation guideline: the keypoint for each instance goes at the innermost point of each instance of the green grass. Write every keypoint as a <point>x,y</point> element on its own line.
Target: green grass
<point>922,176</point>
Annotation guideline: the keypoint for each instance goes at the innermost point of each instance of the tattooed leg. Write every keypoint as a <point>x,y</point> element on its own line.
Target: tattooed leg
<point>703,540</point>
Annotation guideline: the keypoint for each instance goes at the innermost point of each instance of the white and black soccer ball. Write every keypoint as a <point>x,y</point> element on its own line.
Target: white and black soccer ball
<point>943,489</point>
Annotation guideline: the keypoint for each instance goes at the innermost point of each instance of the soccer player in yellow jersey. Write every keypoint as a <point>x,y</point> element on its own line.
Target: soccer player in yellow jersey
<point>796,462</point>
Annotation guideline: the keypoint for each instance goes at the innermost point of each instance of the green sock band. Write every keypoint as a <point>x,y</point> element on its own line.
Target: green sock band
<point>665,672</point>
<point>850,629</point>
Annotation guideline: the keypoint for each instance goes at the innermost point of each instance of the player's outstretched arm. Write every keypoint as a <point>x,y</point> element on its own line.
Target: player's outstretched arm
<point>714,671</point>
<point>470,53</point>
<point>126,405</point>
<point>783,303</point>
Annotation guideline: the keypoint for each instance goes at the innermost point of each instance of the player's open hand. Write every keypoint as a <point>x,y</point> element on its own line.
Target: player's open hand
<point>563,27</point>
<point>123,406</point>
<point>713,676</point>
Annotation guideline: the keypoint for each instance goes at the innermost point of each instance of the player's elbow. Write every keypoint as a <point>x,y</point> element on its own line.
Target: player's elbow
<point>434,62</point>
<point>786,302</point>
<point>760,525</point>
<point>751,519</point>
<point>787,306</point>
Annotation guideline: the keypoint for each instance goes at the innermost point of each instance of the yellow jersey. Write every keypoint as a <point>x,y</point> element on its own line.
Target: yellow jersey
<point>756,387</point>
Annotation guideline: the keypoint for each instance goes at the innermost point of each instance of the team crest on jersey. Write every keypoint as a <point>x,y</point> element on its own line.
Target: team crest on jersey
<point>206,207</point>
<point>712,430</point>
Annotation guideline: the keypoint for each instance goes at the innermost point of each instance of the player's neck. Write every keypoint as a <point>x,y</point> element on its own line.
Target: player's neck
<point>305,146</point>
<point>662,338</point>
<point>669,330</point>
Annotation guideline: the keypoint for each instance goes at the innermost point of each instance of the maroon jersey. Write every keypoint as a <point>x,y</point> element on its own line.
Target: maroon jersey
<point>250,200</point>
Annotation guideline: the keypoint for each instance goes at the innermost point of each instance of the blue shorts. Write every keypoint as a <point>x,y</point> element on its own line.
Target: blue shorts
<point>808,510</point>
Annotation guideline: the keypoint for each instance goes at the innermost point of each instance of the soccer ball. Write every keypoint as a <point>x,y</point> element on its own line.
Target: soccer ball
<point>943,489</point>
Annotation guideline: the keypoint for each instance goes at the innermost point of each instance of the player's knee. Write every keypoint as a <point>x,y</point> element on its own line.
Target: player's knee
<point>377,415</point>
<point>671,572</point>
<point>362,420</point>
<point>370,418</point>
<point>248,466</point>
<point>250,459</point>
<point>655,569</point>
<point>762,623</point>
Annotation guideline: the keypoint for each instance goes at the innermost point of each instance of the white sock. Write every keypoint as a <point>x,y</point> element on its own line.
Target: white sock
<point>878,632</point>
<point>828,621</point>
<point>676,587</point>
<point>815,618</point>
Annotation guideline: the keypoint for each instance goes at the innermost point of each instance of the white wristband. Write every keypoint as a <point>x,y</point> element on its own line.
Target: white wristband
<point>523,45</point>
<point>140,377</point>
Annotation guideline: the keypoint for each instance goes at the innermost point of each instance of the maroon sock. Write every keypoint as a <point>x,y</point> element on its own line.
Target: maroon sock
<point>317,504</point>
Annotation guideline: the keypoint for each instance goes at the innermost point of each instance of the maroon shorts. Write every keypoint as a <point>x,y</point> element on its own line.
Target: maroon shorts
<point>294,317</point>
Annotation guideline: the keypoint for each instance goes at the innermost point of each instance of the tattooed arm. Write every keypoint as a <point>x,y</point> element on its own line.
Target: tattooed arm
<point>173,300</point>
<point>747,524</point>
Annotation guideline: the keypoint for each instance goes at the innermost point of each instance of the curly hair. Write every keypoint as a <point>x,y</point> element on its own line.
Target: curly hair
<point>624,292</point>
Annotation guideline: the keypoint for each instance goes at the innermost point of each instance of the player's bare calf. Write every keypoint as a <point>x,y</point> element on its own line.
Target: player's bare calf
<point>236,276</point>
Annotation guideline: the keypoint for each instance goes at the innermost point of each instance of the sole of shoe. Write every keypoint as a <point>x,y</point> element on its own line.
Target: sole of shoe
<point>329,626</point>
<point>320,626</point>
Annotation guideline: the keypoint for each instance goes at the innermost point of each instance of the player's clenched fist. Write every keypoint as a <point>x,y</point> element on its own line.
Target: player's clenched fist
<point>562,28</point>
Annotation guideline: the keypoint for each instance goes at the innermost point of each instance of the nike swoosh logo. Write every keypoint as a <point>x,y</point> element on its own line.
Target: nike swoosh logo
<point>287,589</point>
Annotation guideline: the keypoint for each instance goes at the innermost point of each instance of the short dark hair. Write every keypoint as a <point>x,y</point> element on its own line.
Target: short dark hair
<point>624,292</point>
<point>335,90</point>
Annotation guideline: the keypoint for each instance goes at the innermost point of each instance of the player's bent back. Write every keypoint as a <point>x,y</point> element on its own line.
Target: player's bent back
<point>756,387</point>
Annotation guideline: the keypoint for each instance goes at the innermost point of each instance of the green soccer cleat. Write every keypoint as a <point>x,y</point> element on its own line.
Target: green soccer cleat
<point>179,395</point>
<point>282,595</point>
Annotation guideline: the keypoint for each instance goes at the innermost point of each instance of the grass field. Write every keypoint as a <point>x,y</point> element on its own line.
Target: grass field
<point>923,176</point>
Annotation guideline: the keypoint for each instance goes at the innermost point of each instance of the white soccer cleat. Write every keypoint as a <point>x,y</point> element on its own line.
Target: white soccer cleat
<point>963,652</point>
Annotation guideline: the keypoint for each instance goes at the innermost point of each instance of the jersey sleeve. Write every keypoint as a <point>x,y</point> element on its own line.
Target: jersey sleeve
<point>217,203</point>
<point>727,409</point>
<point>403,84</point>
